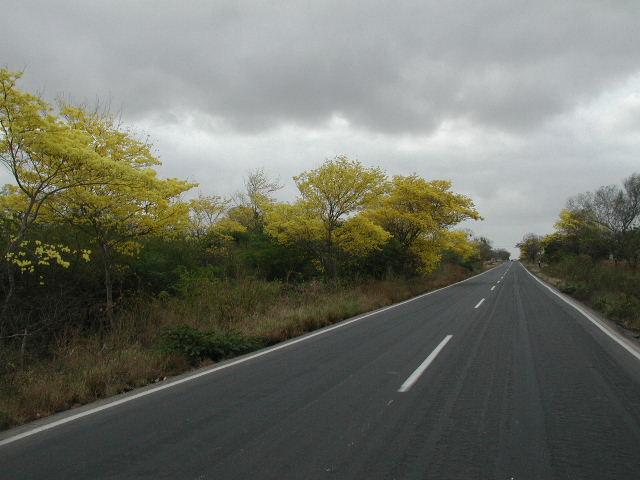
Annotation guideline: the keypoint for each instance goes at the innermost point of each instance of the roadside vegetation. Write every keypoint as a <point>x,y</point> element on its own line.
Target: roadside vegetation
<point>113,277</point>
<point>594,252</point>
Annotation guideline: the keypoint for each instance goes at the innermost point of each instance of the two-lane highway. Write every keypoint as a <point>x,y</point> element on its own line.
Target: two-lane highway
<point>493,378</point>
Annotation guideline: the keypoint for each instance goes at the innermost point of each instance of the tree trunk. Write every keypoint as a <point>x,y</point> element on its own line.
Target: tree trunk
<point>9,293</point>
<point>11,277</point>
<point>11,271</point>
<point>23,349</point>
<point>108,284</point>
<point>331,261</point>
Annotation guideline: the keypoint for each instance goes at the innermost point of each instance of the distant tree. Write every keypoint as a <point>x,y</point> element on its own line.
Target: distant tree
<point>257,196</point>
<point>206,212</point>
<point>485,248</point>
<point>576,234</point>
<point>531,247</point>
<point>460,243</point>
<point>501,254</point>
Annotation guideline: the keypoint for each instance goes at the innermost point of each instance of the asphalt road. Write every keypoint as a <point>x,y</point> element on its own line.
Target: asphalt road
<point>521,386</point>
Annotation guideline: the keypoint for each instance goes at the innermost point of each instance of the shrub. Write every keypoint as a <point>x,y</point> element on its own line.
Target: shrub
<point>580,290</point>
<point>574,267</point>
<point>5,420</point>
<point>222,303</point>
<point>613,289</point>
<point>197,345</point>
<point>618,306</point>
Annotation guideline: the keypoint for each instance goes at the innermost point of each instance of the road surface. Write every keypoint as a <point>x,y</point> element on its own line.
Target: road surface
<point>493,378</point>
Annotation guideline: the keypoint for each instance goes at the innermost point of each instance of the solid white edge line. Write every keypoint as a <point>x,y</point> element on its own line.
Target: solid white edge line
<point>479,303</point>
<point>413,378</point>
<point>610,333</point>
<point>231,363</point>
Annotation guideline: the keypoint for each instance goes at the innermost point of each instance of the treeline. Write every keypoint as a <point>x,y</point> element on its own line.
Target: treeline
<point>595,249</point>
<point>88,217</point>
<point>108,271</point>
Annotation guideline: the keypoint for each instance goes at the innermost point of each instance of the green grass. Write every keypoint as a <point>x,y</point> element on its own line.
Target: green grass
<point>206,321</point>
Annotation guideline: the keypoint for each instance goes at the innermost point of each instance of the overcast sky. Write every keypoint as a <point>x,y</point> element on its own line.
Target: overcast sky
<point>520,103</point>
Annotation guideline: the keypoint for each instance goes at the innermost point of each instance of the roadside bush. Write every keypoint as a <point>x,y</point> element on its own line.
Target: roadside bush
<point>618,306</point>
<point>579,290</point>
<point>5,420</point>
<point>223,303</point>
<point>196,345</point>
<point>612,288</point>
<point>573,267</point>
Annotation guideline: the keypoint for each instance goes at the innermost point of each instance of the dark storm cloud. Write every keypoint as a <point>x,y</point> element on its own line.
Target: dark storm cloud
<point>384,66</point>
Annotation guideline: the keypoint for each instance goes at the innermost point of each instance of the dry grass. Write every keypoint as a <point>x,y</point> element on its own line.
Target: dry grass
<point>82,369</point>
<point>613,290</point>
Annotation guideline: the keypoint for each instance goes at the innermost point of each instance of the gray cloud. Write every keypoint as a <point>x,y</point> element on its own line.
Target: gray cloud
<point>520,103</point>
<point>385,66</point>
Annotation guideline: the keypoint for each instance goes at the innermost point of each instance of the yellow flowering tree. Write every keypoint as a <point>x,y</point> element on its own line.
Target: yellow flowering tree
<point>419,214</point>
<point>45,157</point>
<point>332,195</point>
<point>132,201</point>
<point>205,212</point>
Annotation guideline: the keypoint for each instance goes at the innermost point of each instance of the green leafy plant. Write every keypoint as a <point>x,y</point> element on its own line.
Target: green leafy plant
<point>197,345</point>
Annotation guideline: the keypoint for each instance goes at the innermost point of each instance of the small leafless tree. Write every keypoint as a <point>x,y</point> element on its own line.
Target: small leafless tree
<point>259,190</point>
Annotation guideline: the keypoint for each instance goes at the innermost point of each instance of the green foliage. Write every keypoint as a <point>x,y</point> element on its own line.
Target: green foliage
<point>224,301</point>
<point>579,290</point>
<point>612,289</point>
<point>197,345</point>
<point>618,306</point>
<point>5,420</point>
<point>266,258</point>
<point>575,235</point>
<point>574,267</point>
<point>531,247</point>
